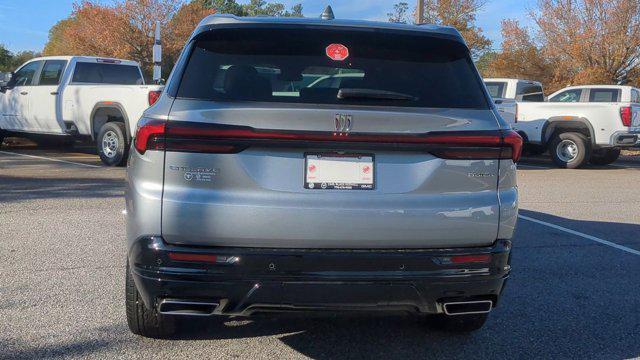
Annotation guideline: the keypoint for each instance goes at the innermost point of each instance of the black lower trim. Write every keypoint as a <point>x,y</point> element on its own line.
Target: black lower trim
<point>317,279</point>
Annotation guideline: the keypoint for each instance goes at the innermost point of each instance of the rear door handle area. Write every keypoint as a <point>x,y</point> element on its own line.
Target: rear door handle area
<point>54,93</point>
<point>24,93</point>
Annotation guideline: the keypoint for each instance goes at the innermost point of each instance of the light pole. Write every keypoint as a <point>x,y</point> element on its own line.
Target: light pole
<point>420,12</point>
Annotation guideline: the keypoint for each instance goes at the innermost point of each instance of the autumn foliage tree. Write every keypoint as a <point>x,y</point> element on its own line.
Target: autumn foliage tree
<point>460,14</point>
<point>125,29</point>
<point>574,42</point>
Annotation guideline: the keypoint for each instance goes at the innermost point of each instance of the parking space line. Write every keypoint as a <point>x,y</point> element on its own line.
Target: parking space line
<point>50,159</point>
<point>583,235</point>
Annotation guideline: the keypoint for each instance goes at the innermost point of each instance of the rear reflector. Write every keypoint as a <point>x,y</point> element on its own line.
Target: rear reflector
<point>216,138</point>
<point>464,259</point>
<point>154,96</point>
<point>204,258</point>
<point>626,115</point>
<point>193,257</point>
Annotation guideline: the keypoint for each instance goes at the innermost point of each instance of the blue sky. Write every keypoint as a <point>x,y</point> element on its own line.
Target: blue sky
<point>24,24</point>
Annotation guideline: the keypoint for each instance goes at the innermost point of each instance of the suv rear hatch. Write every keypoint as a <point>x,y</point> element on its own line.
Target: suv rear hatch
<point>296,137</point>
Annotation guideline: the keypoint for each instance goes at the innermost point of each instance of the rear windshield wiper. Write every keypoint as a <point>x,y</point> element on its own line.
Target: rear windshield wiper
<point>347,93</point>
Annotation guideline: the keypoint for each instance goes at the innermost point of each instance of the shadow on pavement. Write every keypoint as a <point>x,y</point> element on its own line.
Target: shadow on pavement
<point>543,162</point>
<point>561,301</point>
<point>19,188</point>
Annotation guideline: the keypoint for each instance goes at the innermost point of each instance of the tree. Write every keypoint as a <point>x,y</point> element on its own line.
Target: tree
<point>125,29</point>
<point>253,8</point>
<point>574,42</point>
<point>520,57</point>
<point>10,61</point>
<point>460,14</point>
<point>485,60</point>
<point>399,13</point>
<point>5,59</point>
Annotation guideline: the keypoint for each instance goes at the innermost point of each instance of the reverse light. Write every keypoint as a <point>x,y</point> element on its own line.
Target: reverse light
<point>626,115</point>
<point>154,96</point>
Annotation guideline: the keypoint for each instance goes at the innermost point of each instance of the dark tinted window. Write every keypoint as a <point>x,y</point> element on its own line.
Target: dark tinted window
<point>291,65</point>
<point>567,96</point>
<point>603,95</point>
<point>24,76</point>
<point>97,73</point>
<point>529,92</point>
<point>496,89</point>
<point>52,72</point>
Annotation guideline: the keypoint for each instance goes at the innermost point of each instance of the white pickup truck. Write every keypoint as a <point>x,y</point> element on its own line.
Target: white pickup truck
<point>64,97</point>
<point>577,125</point>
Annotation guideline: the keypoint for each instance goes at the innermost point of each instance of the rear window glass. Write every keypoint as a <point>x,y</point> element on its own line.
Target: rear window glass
<point>567,96</point>
<point>603,95</point>
<point>96,73</point>
<point>496,89</point>
<point>529,92</point>
<point>292,65</point>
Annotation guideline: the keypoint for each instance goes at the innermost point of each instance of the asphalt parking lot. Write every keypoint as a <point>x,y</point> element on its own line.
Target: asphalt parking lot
<point>573,292</point>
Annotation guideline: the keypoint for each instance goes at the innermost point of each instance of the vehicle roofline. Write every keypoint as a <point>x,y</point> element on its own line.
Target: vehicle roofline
<point>227,19</point>
<point>80,58</point>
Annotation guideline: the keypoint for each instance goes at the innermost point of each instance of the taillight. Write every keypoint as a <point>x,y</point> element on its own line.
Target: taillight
<point>515,142</point>
<point>515,117</point>
<point>149,135</point>
<point>216,138</point>
<point>154,96</point>
<point>626,115</point>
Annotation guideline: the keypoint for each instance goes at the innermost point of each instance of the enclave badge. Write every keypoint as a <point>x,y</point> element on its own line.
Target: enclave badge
<point>343,123</point>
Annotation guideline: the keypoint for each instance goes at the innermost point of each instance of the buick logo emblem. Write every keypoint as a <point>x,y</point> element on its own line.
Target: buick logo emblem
<point>343,123</point>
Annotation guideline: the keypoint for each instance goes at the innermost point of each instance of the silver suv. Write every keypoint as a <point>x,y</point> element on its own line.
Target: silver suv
<point>250,191</point>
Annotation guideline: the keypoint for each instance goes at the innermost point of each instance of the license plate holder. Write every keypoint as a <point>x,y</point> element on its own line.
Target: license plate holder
<point>338,171</point>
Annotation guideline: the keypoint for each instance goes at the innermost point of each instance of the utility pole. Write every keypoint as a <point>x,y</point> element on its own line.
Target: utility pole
<point>157,55</point>
<point>420,12</point>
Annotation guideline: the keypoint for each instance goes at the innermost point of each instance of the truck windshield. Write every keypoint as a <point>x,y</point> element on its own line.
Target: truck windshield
<point>315,66</point>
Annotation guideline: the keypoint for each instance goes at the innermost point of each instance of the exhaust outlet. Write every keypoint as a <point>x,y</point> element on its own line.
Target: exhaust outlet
<point>467,307</point>
<point>188,308</point>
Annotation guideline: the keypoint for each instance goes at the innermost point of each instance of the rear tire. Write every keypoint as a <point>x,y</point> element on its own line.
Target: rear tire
<point>605,156</point>
<point>570,150</point>
<point>2,136</point>
<point>112,144</point>
<point>141,320</point>
<point>457,323</point>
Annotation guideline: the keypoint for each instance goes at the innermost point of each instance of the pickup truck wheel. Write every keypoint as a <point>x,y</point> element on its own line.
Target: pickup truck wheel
<point>570,150</point>
<point>144,321</point>
<point>112,144</point>
<point>457,323</point>
<point>2,136</point>
<point>605,156</point>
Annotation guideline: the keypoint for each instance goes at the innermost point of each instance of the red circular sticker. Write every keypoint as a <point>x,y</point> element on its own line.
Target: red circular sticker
<point>337,52</point>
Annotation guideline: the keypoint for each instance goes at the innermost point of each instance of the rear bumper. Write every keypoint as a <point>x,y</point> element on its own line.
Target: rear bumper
<point>248,280</point>
<point>625,138</point>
